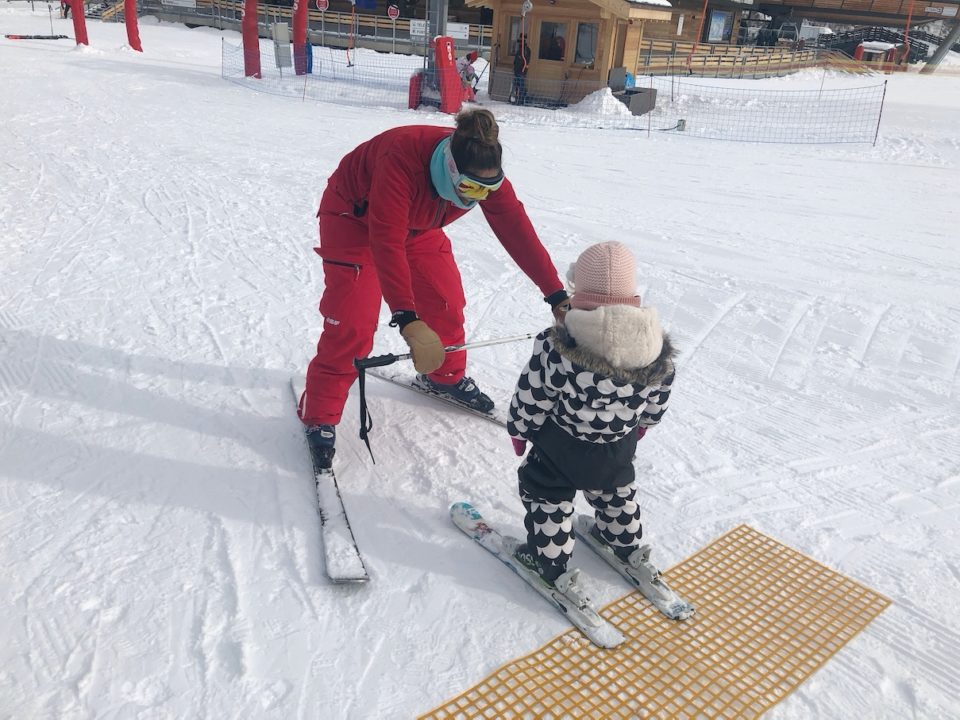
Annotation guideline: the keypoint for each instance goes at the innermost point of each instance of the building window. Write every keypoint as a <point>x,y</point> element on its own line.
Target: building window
<point>517,26</point>
<point>553,41</point>
<point>586,50</point>
<point>720,26</point>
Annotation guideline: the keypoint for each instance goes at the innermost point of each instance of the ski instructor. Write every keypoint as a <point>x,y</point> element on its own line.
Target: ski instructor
<point>381,220</point>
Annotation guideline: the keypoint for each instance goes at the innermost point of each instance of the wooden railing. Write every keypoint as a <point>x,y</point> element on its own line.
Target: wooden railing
<point>112,13</point>
<point>336,23</point>
<point>668,57</point>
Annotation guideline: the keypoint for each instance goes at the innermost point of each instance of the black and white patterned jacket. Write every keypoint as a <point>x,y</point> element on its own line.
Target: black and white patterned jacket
<point>584,375</point>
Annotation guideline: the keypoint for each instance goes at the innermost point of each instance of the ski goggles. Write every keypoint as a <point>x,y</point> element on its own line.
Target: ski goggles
<point>478,188</point>
<point>470,186</point>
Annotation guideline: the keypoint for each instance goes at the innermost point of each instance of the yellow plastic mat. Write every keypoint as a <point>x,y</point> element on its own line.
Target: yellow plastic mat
<point>767,618</point>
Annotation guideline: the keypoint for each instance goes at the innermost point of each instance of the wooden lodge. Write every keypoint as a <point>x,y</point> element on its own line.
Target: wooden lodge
<point>574,44</point>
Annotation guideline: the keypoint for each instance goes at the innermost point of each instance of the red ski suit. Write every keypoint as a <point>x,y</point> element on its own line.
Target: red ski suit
<point>380,236</point>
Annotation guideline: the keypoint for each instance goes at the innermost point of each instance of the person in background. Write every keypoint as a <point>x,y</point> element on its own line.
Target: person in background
<point>64,8</point>
<point>597,380</point>
<point>381,237</point>
<point>465,69</point>
<point>521,64</point>
<point>468,75</point>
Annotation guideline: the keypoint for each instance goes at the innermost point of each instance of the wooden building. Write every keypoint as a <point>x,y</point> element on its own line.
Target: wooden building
<point>688,24</point>
<point>573,43</point>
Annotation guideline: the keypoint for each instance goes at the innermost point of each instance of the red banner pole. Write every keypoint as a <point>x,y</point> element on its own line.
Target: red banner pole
<point>300,36</point>
<point>79,21</point>
<point>130,18</point>
<point>251,39</point>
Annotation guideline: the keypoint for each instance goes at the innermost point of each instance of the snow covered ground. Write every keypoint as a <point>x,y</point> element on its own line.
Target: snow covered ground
<point>158,535</point>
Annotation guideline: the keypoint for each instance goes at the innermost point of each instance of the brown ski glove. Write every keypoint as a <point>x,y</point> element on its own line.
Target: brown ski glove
<point>425,346</point>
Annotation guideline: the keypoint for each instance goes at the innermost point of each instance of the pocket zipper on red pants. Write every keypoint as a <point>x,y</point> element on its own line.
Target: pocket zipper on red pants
<point>355,266</point>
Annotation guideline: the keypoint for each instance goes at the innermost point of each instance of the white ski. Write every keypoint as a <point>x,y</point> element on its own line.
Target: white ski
<point>342,559</point>
<point>643,575</point>
<point>405,378</point>
<point>573,604</point>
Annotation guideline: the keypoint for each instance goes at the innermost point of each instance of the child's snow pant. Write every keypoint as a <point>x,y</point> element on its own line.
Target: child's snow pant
<point>350,306</point>
<point>555,468</point>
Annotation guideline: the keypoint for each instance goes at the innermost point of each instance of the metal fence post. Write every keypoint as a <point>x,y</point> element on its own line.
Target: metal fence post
<point>883,97</point>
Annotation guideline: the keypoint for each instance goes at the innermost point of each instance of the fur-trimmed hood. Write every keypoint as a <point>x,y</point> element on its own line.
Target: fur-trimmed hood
<point>618,341</point>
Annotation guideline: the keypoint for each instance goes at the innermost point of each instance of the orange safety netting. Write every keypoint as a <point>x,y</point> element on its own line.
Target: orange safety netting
<point>767,618</point>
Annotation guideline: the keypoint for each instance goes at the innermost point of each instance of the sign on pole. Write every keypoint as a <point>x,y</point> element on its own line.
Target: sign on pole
<point>458,31</point>
<point>323,5</point>
<point>393,12</point>
<point>418,28</point>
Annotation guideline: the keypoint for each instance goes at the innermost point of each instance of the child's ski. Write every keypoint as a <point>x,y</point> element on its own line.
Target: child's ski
<point>644,576</point>
<point>578,610</point>
<point>342,559</point>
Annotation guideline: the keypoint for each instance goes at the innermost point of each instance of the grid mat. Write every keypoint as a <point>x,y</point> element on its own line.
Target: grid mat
<point>767,618</point>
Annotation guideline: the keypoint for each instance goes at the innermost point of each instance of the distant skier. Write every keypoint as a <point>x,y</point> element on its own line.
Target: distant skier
<point>596,381</point>
<point>381,238</point>
<point>65,8</point>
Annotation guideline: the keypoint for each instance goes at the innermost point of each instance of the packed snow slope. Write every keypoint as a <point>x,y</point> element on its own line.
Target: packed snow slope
<point>159,541</point>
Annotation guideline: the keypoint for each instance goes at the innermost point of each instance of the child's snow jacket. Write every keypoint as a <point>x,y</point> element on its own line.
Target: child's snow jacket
<point>583,376</point>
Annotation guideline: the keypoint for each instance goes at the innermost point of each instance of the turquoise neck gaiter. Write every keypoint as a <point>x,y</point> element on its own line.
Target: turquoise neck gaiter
<point>443,181</point>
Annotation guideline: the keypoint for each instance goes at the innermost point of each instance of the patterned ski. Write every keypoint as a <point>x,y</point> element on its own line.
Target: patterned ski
<point>343,561</point>
<point>646,578</point>
<point>405,379</point>
<point>586,618</point>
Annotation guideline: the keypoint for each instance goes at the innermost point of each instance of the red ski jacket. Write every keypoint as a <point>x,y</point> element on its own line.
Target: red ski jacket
<point>385,183</point>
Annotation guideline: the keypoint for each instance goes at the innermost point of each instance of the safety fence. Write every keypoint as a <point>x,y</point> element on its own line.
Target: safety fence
<point>359,77</point>
<point>846,115</point>
<point>679,105</point>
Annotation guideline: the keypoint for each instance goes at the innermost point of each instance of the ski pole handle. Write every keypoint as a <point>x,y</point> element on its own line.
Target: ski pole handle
<point>378,360</point>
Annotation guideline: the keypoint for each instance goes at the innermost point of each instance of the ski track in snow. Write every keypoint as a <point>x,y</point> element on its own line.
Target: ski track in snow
<point>159,536</point>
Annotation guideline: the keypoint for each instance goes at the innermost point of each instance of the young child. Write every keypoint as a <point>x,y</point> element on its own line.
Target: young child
<point>596,381</point>
<point>465,68</point>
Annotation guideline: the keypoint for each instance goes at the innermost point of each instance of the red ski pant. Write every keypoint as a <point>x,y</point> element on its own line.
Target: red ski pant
<point>350,306</point>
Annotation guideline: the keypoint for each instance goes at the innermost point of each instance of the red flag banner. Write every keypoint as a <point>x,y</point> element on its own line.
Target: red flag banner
<point>79,21</point>
<point>251,39</point>
<point>130,17</point>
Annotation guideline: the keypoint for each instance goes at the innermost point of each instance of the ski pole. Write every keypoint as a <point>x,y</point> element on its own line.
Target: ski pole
<point>476,82</point>
<point>361,364</point>
<point>390,358</point>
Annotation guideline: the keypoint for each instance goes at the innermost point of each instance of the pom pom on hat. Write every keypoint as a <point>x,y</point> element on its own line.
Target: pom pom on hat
<point>604,274</point>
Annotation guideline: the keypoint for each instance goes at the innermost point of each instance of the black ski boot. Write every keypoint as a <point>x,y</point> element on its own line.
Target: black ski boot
<point>465,392</point>
<point>529,559</point>
<point>321,439</point>
<point>567,582</point>
<point>622,553</point>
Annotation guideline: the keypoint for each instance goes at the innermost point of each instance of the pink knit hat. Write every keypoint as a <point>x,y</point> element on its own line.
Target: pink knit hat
<point>604,274</point>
